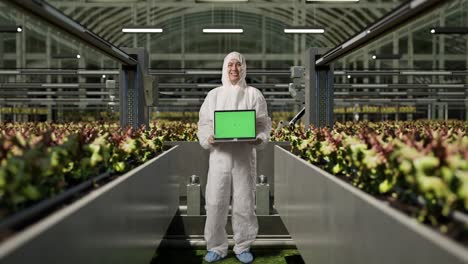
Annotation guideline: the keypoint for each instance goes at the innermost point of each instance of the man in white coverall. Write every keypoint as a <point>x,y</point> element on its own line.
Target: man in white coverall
<point>232,166</point>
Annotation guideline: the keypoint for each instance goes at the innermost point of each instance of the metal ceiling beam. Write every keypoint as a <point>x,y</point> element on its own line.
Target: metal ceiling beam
<point>396,18</point>
<point>404,32</point>
<point>112,30</point>
<point>84,4</point>
<point>53,16</point>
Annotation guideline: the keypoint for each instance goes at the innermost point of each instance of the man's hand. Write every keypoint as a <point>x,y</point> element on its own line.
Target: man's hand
<point>211,140</point>
<point>256,142</point>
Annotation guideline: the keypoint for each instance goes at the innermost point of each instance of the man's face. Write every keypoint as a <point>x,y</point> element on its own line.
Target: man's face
<point>234,67</point>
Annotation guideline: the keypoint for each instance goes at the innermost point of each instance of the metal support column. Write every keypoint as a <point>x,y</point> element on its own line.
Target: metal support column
<point>466,111</point>
<point>262,196</point>
<point>133,109</point>
<point>430,111</point>
<point>409,116</point>
<point>441,110</point>
<point>49,66</point>
<point>2,56</point>
<point>318,92</point>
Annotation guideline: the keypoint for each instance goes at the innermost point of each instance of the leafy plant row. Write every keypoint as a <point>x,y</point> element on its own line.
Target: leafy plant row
<point>38,161</point>
<point>422,164</point>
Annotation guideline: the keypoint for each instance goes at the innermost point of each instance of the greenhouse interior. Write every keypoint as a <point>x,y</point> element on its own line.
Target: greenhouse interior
<point>234,131</point>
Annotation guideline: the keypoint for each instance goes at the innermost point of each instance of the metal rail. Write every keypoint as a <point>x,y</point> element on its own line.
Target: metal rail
<point>53,16</point>
<point>184,72</point>
<point>396,18</point>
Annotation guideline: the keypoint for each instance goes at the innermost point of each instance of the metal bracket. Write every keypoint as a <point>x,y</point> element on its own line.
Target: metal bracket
<point>193,196</point>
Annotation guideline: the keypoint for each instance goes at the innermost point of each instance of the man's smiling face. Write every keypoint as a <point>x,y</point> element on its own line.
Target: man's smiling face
<point>234,67</point>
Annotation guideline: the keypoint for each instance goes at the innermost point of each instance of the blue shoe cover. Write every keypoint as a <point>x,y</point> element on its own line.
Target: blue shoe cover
<point>212,256</point>
<point>245,257</point>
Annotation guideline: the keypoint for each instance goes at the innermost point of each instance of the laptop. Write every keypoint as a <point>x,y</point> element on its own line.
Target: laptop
<point>234,126</point>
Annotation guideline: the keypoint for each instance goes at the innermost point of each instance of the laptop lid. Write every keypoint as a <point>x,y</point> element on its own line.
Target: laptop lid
<point>234,125</point>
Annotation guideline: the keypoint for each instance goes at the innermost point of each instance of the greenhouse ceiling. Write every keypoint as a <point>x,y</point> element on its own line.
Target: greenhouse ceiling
<point>181,43</point>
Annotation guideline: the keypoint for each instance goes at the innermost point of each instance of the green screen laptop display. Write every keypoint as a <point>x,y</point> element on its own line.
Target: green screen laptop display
<point>239,124</point>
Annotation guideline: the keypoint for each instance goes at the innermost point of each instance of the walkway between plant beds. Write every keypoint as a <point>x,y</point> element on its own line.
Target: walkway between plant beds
<point>193,256</point>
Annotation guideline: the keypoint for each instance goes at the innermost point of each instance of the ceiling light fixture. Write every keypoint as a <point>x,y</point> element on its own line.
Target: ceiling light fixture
<point>9,72</point>
<point>97,72</point>
<point>425,73</point>
<point>449,30</point>
<point>221,1</point>
<point>386,56</point>
<point>142,30</point>
<point>111,1</point>
<point>11,29</point>
<point>60,85</point>
<point>369,85</point>
<point>202,72</point>
<point>332,1</point>
<point>223,30</point>
<point>445,85</point>
<point>304,30</point>
<point>66,56</point>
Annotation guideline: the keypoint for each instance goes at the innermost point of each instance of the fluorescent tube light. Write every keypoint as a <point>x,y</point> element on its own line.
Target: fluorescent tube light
<point>332,1</point>
<point>425,99</point>
<point>221,1</point>
<point>450,93</point>
<point>207,85</point>
<point>142,30</point>
<point>372,72</point>
<point>392,93</point>
<point>223,30</point>
<point>97,93</point>
<point>304,30</point>
<point>426,73</point>
<point>66,56</point>
<point>445,85</point>
<point>386,56</point>
<point>202,72</point>
<point>449,30</point>
<point>11,29</point>
<point>59,85</point>
<point>378,100</point>
<point>41,93</point>
<point>111,1</point>
<point>9,72</point>
<point>369,85</point>
<point>339,72</point>
<point>90,100</point>
<point>96,72</point>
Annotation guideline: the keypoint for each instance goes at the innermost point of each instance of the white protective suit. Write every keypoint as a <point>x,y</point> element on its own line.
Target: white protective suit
<point>232,166</point>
